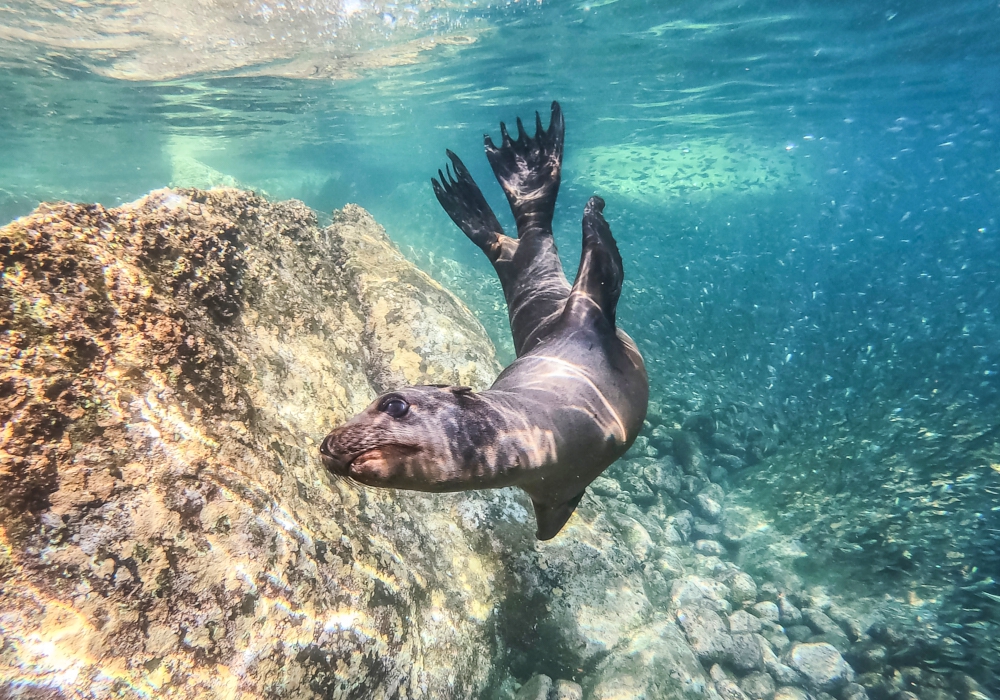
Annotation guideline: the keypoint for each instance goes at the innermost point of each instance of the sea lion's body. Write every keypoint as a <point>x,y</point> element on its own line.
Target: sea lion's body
<point>574,399</point>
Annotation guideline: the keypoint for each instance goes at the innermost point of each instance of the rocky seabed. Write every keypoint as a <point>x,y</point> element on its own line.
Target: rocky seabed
<point>167,369</point>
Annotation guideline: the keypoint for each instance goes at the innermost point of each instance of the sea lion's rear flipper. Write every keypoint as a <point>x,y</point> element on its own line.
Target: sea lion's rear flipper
<point>550,519</point>
<point>529,169</point>
<point>464,201</point>
<point>599,279</point>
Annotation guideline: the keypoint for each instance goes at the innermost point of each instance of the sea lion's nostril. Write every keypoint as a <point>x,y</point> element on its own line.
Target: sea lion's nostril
<point>324,448</point>
<point>334,460</point>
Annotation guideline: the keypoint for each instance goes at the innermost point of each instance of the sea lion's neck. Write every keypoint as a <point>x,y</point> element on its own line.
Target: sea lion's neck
<point>526,440</point>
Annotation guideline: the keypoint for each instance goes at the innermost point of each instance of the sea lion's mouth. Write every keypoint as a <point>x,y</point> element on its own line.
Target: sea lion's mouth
<point>334,461</point>
<point>372,464</point>
<point>381,466</point>
<point>359,460</point>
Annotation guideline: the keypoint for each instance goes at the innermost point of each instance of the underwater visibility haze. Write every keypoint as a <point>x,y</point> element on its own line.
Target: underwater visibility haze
<point>806,198</point>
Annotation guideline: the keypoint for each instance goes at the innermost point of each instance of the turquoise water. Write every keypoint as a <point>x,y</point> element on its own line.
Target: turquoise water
<point>806,197</point>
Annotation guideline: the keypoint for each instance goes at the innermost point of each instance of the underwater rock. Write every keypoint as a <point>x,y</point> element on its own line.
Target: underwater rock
<point>838,640</point>
<point>566,690</point>
<point>538,688</point>
<point>742,621</point>
<point>638,490</point>
<point>167,368</point>
<point>691,589</point>
<point>640,446</point>
<point>790,615</point>
<point>855,691</point>
<point>717,673</point>
<point>717,474</point>
<point>728,689</point>
<point>743,589</point>
<point>848,623</point>
<point>798,633</point>
<point>701,424</point>
<point>714,492</point>
<point>790,693</point>
<point>603,595</point>
<point>757,686</point>
<point>745,652</point>
<point>706,633</point>
<point>603,486</point>
<point>634,536</point>
<point>735,524</point>
<point>783,674</point>
<point>693,484</point>
<point>730,463</point>
<point>687,451</point>
<point>826,629</point>
<point>870,659</point>
<point>683,522</point>
<point>709,548</point>
<point>663,475</point>
<point>822,666</point>
<point>705,530</point>
<point>670,563</point>
<point>709,507</point>
<point>817,620</point>
<point>766,610</point>
<point>769,591</point>
<point>777,639</point>
<point>661,438</point>
<point>728,445</point>
<point>656,662</point>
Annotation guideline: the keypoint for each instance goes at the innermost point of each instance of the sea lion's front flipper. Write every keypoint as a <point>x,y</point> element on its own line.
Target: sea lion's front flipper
<point>529,169</point>
<point>550,519</point>
<point>599,279</point>
<point>464,201</point>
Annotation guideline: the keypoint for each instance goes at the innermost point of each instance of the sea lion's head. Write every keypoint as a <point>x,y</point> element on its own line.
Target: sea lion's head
<point>419,438</point>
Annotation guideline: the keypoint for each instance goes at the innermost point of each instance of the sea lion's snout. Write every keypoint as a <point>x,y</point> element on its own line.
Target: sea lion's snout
<point>335,462</point>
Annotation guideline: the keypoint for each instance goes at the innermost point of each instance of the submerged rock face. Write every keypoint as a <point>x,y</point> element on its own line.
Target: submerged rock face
<point>166,371</point>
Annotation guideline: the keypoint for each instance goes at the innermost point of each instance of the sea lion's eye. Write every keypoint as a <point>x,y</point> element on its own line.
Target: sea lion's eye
<point>394,406</point>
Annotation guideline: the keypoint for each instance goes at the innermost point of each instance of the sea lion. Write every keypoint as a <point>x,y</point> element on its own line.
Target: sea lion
<point>570,404</point>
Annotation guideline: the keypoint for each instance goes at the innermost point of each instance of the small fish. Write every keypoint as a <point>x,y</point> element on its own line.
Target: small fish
<point>988,581</point>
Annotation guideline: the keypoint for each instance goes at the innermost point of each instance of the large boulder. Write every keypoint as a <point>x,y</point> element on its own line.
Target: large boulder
<point>167,369</point>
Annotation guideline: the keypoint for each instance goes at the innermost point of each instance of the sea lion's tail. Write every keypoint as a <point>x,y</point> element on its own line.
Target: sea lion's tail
<point>600,276</point>
<point>551,518</point>
<point>461,197</point>
<point>529,170</point>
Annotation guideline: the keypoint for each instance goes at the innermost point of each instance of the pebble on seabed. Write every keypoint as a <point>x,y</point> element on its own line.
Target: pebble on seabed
<point>710,548</point>
<point>766,610</point>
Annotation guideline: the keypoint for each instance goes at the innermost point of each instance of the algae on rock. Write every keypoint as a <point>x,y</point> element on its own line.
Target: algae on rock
<point>166,370</point>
